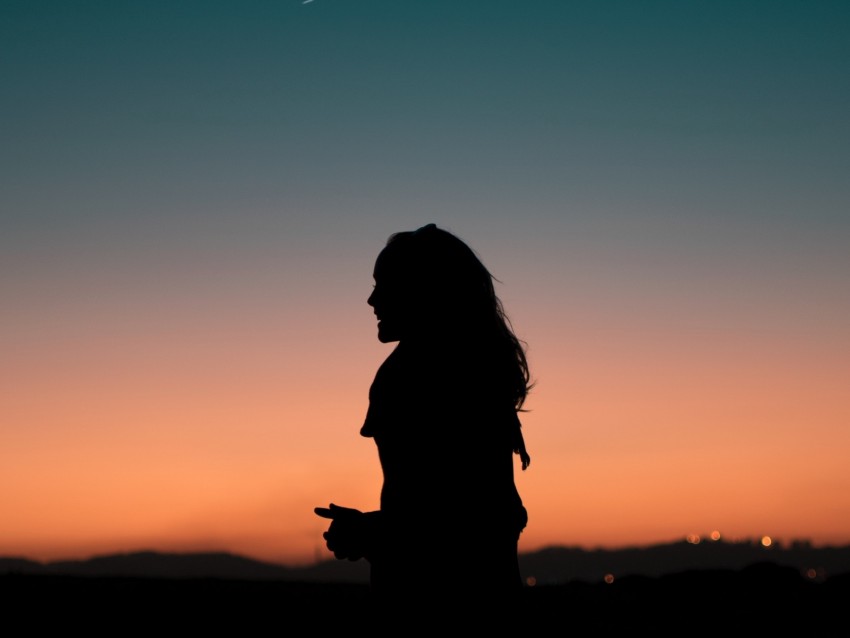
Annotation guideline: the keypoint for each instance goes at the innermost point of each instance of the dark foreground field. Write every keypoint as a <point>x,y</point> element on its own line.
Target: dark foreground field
<point>757,599</point>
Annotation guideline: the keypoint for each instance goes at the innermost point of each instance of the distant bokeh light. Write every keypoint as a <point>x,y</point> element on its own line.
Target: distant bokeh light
<point>766,541</point>
<point>715,535</point>
<point>609,578</point>
<point>693,539</point>
<point>531,581</point>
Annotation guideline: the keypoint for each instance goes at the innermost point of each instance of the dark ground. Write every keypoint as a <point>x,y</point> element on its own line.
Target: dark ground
<point>755,600</point>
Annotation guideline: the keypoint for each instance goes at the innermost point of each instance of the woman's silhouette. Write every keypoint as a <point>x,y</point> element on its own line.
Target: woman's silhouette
<point>443,410</point>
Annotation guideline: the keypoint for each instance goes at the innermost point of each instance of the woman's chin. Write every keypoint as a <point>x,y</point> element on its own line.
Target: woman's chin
<point>385,334</point>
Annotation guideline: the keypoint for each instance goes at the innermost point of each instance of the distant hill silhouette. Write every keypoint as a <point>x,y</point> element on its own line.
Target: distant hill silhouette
<point>558,565</point>
<point>664,590</point>
<point>549,566</point>
<point>149,564</point>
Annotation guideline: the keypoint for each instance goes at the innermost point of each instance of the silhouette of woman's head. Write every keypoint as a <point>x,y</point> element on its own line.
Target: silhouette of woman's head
<point>431,286</point>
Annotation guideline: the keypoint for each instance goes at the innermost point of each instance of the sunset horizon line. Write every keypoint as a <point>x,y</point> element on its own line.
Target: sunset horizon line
<point>765,541</point>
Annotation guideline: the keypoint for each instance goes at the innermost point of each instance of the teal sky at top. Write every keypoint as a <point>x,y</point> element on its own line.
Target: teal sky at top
<point>233,122</point>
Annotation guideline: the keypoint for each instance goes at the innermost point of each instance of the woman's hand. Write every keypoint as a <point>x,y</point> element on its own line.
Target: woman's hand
<point>352,533</point>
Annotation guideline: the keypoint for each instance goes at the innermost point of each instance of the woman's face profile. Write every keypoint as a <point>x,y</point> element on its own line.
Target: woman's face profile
<point>388,299</point>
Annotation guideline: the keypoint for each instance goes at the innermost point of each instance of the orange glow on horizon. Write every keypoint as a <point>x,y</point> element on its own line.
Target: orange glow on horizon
<point>172,432</point>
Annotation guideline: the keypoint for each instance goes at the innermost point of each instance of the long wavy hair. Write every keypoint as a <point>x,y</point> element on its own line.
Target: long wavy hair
<point>455,294</point>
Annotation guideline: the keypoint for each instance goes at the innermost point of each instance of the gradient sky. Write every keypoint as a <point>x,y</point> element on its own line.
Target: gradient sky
<point>193,195</point>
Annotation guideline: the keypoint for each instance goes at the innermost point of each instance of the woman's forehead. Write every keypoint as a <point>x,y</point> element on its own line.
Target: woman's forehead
<point>402,261</point>
<point>387,264</point>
